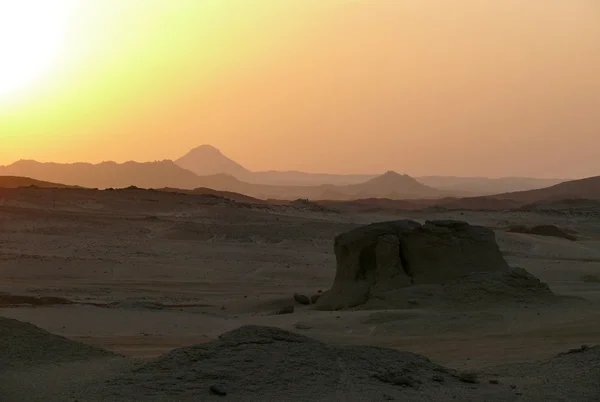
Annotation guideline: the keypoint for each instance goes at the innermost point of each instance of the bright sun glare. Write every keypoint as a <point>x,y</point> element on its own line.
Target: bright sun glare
<point>33,33</point>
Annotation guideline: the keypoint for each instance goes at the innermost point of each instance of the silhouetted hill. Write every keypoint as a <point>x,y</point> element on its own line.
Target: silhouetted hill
<point>389,185</point>
<point>225,182</point>
<point>476,186</point>
<point>294,178</point>
<point>573,190</point>
<point>575,196</point>
<point>393,186</point>
<point>18,182</point>
<point>241,198</point>
<point>166,174</point>
<point>588,188</point>
<point>106,174</point>
<point>207,160</point>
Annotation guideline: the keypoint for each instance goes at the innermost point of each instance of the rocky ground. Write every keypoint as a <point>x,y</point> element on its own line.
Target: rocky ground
<point>138,274</point>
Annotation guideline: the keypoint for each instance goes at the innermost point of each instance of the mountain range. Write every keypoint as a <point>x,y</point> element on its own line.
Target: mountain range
<point>106,174</point>
<point>207,160</point>
<point>207,167</point>
<point>167,174</point>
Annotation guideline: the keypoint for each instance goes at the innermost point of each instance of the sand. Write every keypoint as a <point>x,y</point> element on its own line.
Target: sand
<point>151,272</point>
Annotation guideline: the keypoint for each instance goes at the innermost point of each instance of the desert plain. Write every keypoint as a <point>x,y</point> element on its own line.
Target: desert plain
<point>139,274</point>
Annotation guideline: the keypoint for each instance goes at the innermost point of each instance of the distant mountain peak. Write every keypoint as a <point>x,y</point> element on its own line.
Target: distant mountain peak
<point>391,177</point>
<point>205,148</point>
<point>397,185</point>
<point>391,173</point>
<point>207,160</point>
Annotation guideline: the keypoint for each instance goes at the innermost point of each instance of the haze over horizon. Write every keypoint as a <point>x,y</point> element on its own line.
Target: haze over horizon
<point>309,200</point>
<point>463,88</point>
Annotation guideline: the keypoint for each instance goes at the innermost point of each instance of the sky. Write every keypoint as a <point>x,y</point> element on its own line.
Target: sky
<point>424,87</point>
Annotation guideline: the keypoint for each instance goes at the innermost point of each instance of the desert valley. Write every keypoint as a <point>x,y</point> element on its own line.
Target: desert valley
<point>299,200</point>
<point>198,294</point>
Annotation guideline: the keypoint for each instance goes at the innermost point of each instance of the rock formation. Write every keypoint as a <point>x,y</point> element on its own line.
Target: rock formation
<point>380,258</point>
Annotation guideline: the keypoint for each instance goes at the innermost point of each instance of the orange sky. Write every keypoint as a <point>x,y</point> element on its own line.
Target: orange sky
<point>462,87</point>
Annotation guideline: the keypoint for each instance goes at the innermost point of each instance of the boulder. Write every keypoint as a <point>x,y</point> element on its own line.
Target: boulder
<point>302,299</point>
<point>381,257</point>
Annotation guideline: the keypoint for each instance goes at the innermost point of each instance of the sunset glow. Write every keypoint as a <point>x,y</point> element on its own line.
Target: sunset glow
<point>33,34</point>
<point>143,80</point>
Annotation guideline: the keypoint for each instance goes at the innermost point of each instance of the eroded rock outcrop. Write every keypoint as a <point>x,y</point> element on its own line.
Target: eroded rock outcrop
<point>375,259</point>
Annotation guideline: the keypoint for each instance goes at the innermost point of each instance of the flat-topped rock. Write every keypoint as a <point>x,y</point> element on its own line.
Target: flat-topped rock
<point>384,256</point>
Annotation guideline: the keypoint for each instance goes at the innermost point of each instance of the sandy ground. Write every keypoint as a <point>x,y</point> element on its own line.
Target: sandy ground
<point>204,267</point>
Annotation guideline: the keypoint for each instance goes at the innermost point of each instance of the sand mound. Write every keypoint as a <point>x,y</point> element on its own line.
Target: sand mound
<point>570,376</point>
<point>24,344</point>
<point>264,363</point>
<point>543,230</point>
<point>16,300</point>
<point>377,259</point>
